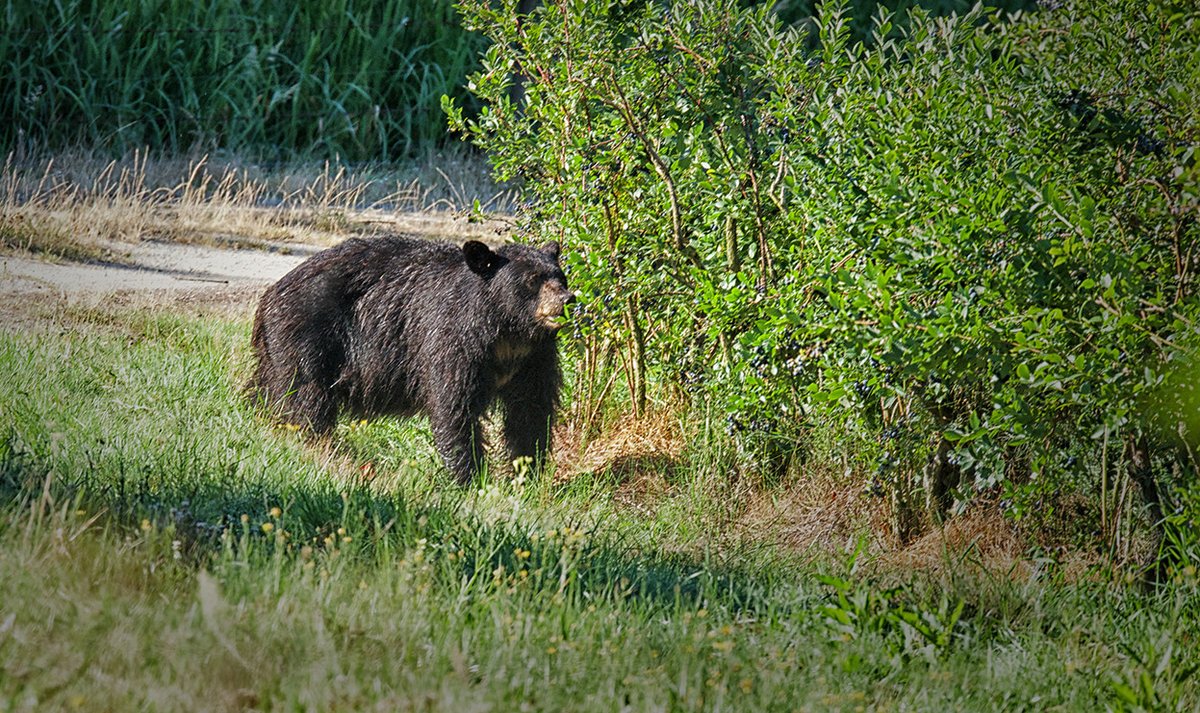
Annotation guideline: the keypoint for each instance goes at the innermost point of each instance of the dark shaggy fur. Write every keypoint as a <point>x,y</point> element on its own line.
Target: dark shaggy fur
<point>399,326</point>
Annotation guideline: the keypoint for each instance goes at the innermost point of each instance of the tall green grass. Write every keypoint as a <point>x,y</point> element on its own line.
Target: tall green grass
<point>162,547</point>
<point>273,78</point>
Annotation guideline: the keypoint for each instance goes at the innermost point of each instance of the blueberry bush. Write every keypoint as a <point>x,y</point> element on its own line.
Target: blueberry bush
<point>963,244</point>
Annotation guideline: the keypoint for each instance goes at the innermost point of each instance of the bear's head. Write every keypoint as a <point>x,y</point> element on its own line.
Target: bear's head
<point>527,282</point>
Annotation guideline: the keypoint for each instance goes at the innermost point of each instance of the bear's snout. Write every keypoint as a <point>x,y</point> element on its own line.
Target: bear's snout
<point>552,302</point>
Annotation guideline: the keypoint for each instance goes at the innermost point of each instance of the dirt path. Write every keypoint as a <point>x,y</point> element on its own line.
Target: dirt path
<point>149,266</point>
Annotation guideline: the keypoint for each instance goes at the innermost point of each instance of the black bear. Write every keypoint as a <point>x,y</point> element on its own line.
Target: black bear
<point>398,325</point>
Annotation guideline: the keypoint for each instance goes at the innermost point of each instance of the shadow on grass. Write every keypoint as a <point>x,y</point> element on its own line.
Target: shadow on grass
<point>572,564</point>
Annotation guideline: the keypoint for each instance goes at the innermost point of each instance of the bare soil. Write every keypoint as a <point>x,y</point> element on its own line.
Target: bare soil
<point>150,266</point>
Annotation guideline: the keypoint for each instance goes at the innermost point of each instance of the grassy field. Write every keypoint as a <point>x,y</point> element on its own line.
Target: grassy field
<point>164,548</point>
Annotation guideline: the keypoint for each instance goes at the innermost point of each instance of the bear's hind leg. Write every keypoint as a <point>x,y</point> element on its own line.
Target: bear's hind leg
<point>311,406</point>
<point>459,441</point>
<point>306,405</point>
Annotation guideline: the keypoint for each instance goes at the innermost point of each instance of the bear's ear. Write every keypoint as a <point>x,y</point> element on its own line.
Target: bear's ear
<point>480,257</point>
<point>552,249</point>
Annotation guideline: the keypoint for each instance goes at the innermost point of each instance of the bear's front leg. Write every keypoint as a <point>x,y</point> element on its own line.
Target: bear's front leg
<point>530,400</point>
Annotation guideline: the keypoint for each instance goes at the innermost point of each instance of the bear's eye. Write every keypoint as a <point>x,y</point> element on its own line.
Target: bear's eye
<point>533,280</point>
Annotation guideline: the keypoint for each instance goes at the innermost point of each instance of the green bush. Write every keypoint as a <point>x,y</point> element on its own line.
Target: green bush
<point>965,245</point>
<point>332,79</point>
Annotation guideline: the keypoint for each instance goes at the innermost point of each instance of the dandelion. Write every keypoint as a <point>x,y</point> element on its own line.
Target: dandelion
<point>267,527</point>
<point>276,512</point>
<point>347,539</point>
<point>245,518</point>
<point>552,650</point>
<point>745,684</point>
<point>146,525</point>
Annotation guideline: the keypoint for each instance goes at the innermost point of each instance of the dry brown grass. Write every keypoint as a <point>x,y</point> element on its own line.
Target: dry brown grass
<point>981,537</point>
<point>77,206</point>
<point>654,439</point>
<point>635,454</point>
<point>817,513</point>
<point>41,235</point>
<point>820,513</point>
